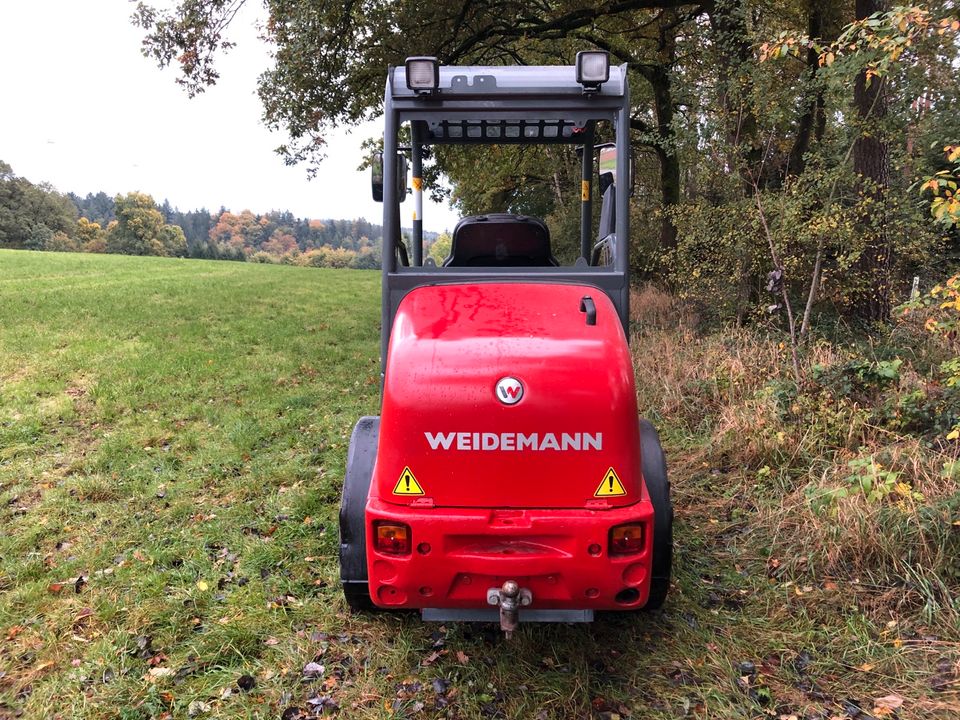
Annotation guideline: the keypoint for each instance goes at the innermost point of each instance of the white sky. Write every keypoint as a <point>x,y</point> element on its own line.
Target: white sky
<point>82,109</point>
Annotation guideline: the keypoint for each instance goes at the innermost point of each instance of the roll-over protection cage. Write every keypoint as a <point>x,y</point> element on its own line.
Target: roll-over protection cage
<point>505,105</point>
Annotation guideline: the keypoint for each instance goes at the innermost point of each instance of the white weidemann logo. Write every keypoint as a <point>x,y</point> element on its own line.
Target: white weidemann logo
<point>514,441</point>
<point>509,390</point>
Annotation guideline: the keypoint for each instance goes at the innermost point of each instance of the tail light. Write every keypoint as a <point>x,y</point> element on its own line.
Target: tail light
<point>393,538</point>
<point>626,539</point>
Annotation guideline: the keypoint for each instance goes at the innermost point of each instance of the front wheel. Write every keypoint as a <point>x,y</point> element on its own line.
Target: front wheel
<point>658,487</point>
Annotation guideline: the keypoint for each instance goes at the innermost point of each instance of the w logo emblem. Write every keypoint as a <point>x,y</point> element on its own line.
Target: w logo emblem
<point>509,390</point>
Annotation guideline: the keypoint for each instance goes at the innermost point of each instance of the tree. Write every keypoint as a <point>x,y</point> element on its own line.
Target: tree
<point>31,214</point>
<point>330,57</point>
<point>139,229</point>
<point>61,242</point>
<point>98,207</point>
<point>91,236</point>
<point>440,248</point>
<point>243,232</point>
<point>871,299</point>
<point>741,164</point>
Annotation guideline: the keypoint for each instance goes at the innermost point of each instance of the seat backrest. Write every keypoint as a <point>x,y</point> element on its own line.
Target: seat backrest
<point>500,240</point>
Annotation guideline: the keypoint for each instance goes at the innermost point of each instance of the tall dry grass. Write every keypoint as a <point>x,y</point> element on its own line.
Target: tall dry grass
<point>729,410</point>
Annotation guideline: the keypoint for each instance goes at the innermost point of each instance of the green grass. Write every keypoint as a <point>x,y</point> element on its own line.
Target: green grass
<point>173,433</point>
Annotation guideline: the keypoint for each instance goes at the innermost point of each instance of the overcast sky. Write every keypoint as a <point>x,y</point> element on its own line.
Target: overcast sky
<point>82,109</point>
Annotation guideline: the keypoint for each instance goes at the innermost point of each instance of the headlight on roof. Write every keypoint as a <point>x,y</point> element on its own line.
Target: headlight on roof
<point>593,69</point>
<point>423,74</point>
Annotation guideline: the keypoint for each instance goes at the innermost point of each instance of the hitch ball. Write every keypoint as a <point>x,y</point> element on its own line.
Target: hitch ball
<point>510,597</point>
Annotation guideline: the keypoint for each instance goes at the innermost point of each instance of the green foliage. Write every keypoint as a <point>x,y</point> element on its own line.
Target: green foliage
<point>858,376</point>
<point>945,201</point>
<point>939,310</point>
<point>720,130</point>
<point>61,242</point>
<point>90,236</point>
<point>140,230</point>
<point>30,215</point>
<point>440,249</point>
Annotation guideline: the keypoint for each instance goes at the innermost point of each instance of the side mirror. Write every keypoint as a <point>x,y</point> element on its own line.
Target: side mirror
<point>401,177</point>
<point>607,165</point>
<point>376,177</point>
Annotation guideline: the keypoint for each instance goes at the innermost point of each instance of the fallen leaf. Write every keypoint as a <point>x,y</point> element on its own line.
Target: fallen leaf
<point>313,669</point>
<point>197,707</point>
<point>202,586</point>
<point>463,658</point>
<point>431,658</point>
<point>160,672</point>
<point>887,704</point>
<point>440,686</point>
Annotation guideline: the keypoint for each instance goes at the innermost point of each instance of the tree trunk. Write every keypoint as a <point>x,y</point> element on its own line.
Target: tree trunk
<point>728,22</point>
<point>871,293</point>
<point>666,153</point>
<point>813,119</point>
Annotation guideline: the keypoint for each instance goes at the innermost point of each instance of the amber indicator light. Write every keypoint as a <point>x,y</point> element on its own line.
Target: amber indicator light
<point>393,538</point>
<point>626,539</point>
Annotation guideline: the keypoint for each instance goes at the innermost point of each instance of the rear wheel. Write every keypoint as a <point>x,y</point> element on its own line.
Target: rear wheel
<point>353,536</point>
<point>658,487</point>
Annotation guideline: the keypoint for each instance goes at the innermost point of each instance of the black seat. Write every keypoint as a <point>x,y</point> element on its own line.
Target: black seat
<point>500,240</point>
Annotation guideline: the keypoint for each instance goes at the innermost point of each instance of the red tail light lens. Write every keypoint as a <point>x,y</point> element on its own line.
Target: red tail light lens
<point>626,539</point>
<point>393,538</point>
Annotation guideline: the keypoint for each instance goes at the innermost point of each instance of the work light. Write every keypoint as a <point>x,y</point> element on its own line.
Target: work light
<point>593,68</point>
<point>423,74</point>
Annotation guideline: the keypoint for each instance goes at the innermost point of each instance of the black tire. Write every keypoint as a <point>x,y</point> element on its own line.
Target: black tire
<point>658,486</point>
<point>353,537</point>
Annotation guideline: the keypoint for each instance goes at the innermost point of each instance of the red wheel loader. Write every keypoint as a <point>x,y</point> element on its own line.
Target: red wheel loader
<point>508,476</point>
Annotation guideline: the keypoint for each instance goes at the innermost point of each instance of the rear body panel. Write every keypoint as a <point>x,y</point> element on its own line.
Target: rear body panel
<point>441,418</point>
<point>494,491</point>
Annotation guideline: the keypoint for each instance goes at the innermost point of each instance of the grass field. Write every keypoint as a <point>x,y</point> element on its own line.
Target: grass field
<point>172,444</point>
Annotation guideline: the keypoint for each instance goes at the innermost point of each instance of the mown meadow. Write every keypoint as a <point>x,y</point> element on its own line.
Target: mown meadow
<point>172,443</point>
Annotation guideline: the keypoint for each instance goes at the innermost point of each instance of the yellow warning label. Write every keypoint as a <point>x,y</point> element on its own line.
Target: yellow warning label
<point>417,183</point>
<point>584,190</point>
<point>610,486</point>
<point>408,485</point>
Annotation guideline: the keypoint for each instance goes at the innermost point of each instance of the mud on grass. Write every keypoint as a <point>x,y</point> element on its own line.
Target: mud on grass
<point>172,440</point>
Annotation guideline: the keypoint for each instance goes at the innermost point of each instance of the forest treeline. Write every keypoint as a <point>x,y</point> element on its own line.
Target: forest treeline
<point>797,137</point>
<point>38,217</point>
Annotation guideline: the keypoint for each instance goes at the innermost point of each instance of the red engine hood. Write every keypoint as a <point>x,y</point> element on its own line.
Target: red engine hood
<point>446,439</point>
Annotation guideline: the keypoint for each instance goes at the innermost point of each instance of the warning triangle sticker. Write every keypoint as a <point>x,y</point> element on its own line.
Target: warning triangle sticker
<point>408,485</point>
<point>610,486</point>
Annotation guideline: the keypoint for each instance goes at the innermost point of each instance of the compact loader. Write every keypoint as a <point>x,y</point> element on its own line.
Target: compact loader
<point>508,476</point>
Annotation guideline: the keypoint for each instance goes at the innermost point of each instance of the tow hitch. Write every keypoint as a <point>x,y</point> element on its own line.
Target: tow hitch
<point>510,598</point>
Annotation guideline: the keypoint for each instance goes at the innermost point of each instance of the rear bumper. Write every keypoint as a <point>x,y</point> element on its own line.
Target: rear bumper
<point>561,556</point>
